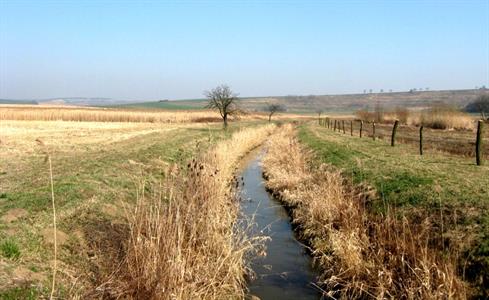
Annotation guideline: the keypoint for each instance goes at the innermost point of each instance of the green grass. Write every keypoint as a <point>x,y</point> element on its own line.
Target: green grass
<point>103,172</point>
<point>9,249</point>
<point>17,293</point>
<point>399,174</point>
<point>451,190</point>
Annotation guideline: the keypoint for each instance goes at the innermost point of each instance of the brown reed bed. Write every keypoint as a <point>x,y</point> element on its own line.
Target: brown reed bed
<point>183,240</point>
<point>95,114</point>
<point>80,114</point>
<point>361,254</point>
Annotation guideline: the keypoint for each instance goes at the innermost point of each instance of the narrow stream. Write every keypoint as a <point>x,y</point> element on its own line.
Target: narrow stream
<point>286,271</point>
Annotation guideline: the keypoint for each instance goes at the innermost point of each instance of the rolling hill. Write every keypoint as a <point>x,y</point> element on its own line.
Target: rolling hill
<point>335,103</point>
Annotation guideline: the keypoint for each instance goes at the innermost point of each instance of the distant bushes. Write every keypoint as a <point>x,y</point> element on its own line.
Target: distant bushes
<point>480,106</point>
<point>402,114</point>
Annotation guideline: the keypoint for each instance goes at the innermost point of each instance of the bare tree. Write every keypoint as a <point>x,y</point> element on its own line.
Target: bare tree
<point>273,108</point>
<point>479,105</point>
<point>319,111</point>
<point>379,112</point>
<point>224,100</point>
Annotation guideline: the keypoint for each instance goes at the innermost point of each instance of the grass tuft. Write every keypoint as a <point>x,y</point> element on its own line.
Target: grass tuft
<point>9,249</point>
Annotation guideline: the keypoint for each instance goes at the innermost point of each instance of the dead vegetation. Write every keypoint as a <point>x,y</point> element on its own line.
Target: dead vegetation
<point>362,255</point>
<point>92,114</point>
<point>183,241</point>
<point>79,114</point>
<point>436,117</point>
<point>442,117</point>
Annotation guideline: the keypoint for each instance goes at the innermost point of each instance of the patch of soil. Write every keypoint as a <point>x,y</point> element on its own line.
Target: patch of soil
<point>110,210</point>
<point>22,275</point>
<point>48,236</point>
<point>11,232</point>
<point>14,214</point>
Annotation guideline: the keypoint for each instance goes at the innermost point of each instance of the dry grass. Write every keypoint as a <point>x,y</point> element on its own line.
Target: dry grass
<point>443,118</point>
<point>103,115</point>
<point>92,114</point>
<point>362,255</point>
<point>17,138</point>
<point>436,117</point>
<point>95,164</point>
<point>183,241</point>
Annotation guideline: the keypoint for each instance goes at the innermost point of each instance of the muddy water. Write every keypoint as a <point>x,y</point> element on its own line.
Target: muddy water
<point>285,272</point>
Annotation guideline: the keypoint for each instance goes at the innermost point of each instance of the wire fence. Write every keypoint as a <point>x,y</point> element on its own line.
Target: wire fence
<point>460,142</point>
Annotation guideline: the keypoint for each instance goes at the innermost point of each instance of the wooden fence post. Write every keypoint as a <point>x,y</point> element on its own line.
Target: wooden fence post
<point>343,121</point>
<point>421,140</point>
<point>334,125</point>
<point>351,128</point>
<point>373,130</point>
<point>478,143</point>
<point>394,129</point>
<point>361,128</point>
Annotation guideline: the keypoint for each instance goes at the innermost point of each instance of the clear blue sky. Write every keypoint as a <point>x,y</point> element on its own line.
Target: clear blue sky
<point>155,50</point>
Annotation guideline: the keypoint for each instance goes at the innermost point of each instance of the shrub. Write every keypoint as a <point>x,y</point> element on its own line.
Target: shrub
<point>479,105</point>
<point>379,113</point>
<point>365,115</point>
<point>402,114</point>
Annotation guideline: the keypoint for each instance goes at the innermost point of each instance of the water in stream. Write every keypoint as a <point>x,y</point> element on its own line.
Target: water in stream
<point>285,272</point>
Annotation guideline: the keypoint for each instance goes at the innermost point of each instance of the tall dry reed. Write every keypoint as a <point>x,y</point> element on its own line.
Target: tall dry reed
<point>362,255</point>
<point>103,115</point>
<point>443,117</point>
<point>436,117</point>
<point>87,114</point>
<point>184,241</point>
